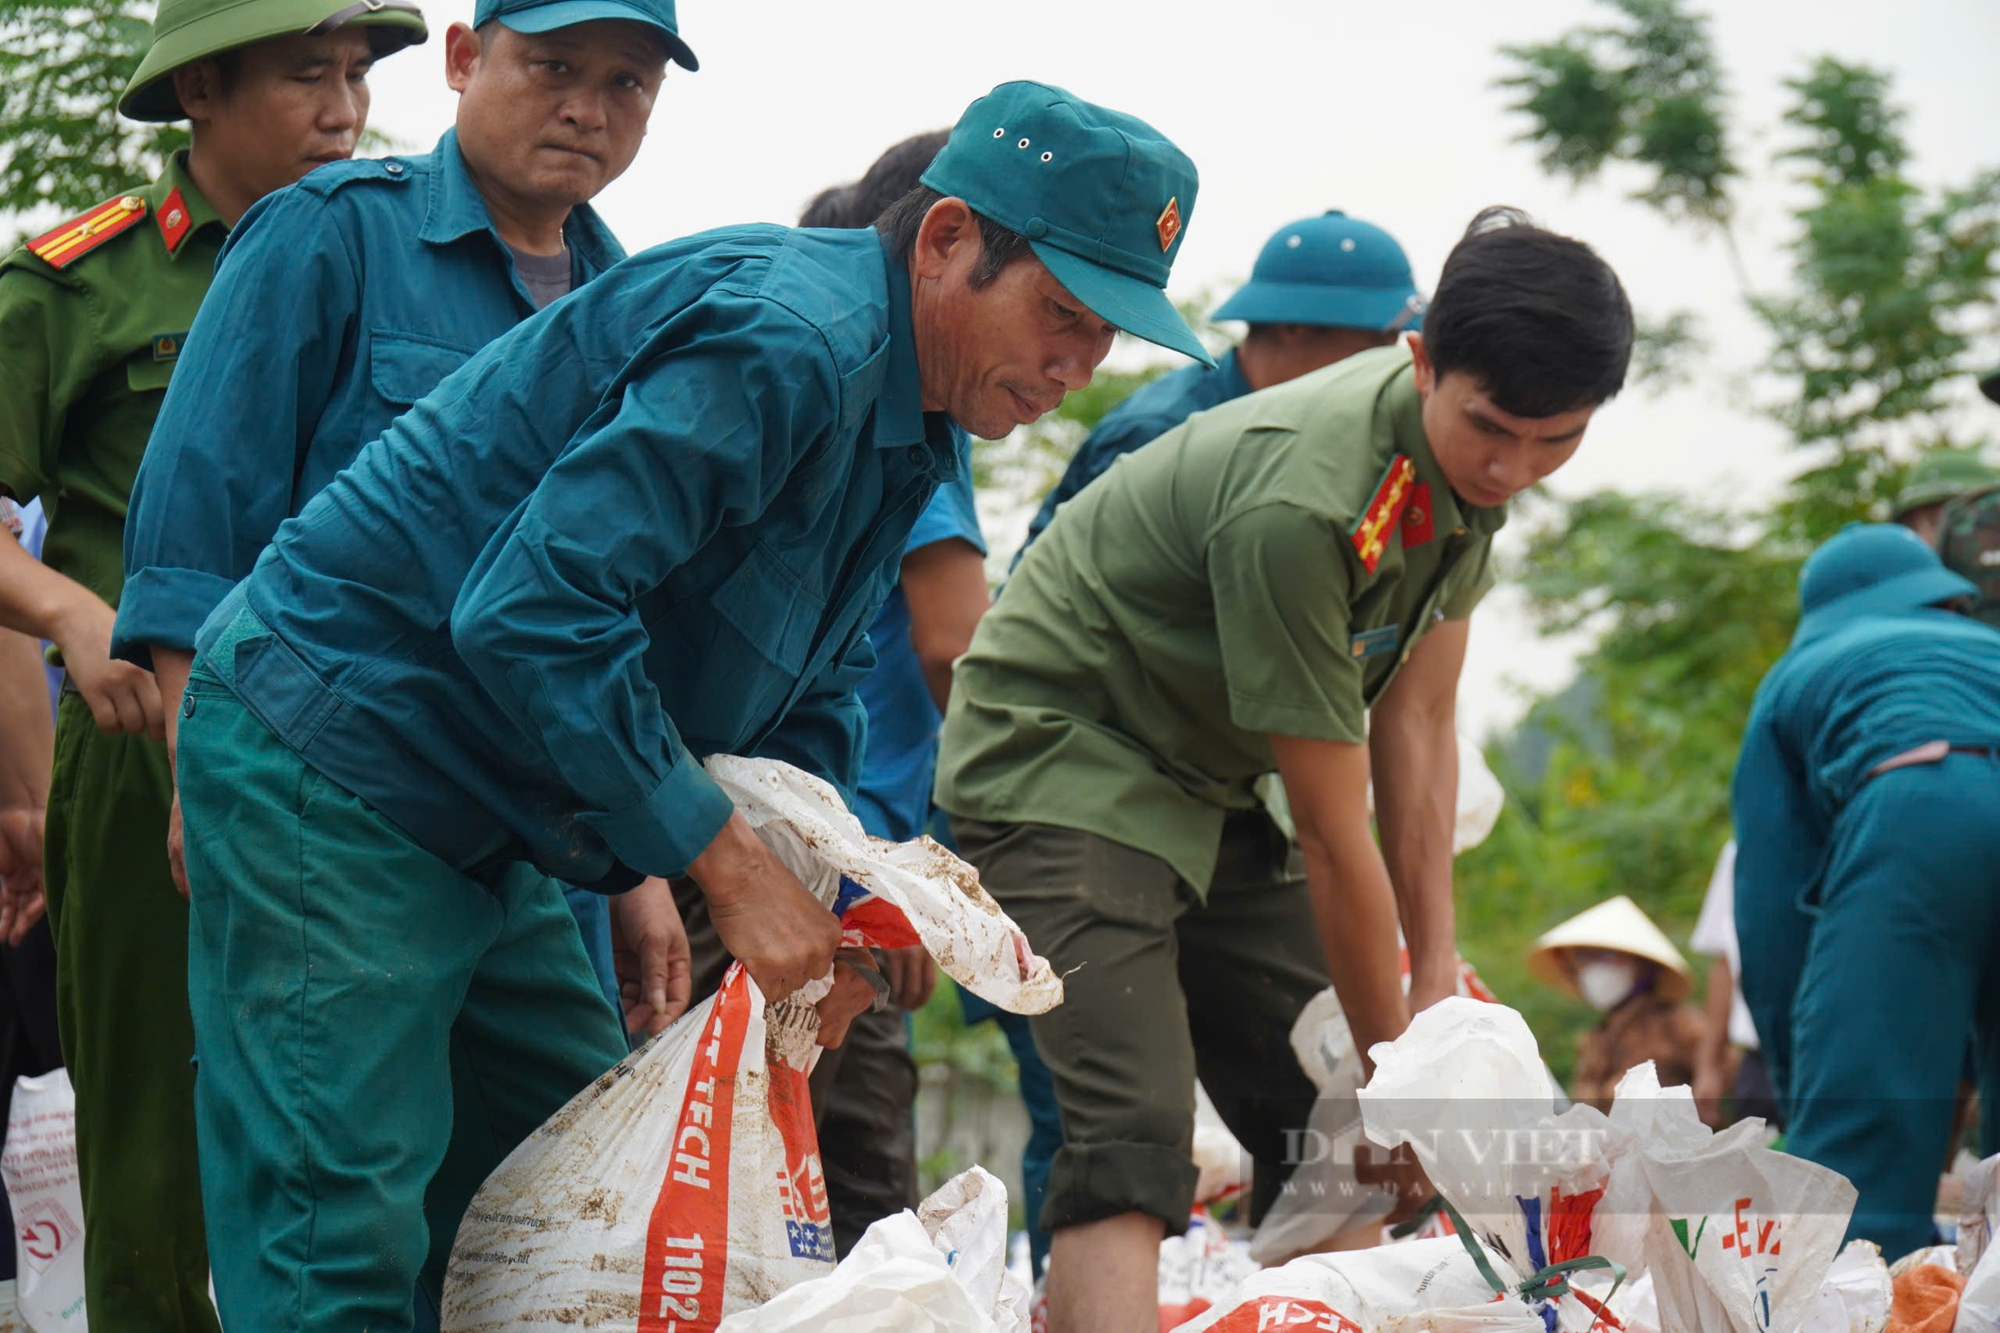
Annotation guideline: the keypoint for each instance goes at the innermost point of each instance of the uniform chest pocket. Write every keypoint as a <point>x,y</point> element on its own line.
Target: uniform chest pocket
<point>144,373</point>
<point>764,601</point>
<point>404,367</point>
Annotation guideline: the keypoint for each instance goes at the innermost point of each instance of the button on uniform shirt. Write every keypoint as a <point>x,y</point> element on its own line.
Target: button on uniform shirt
<point>86,352</point>
<point>1203,594</point>
<point>1150,412</point>
<point>339,302</point>
<point>901,761</point>
<point>651,524</point>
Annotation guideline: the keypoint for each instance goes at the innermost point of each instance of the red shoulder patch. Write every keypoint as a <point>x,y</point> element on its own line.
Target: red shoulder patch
<point>1378,521</point>
<point>83,233</point>
<point>1418,520</point>
<point>173,219</point>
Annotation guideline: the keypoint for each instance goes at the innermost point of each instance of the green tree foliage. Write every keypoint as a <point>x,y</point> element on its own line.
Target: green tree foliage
<point>1645,91</point>
<point>1620,783</point>
<point>62,68</point>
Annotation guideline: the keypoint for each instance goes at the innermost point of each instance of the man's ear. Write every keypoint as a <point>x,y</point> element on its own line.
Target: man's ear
<point>198,88</point>
<point>949,226</point>
<point>1420,363</point>
<point>462,49</point>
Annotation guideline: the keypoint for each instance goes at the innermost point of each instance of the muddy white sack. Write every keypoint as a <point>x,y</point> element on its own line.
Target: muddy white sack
<point>685,1184</point>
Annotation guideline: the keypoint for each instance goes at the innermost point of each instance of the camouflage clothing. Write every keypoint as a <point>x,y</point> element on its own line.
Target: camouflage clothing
<point>1969,544</point>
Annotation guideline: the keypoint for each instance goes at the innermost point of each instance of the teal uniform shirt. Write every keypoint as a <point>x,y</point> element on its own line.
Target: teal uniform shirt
<point>1867,901</point>
<point>337,304</point>
<point>650,524</point>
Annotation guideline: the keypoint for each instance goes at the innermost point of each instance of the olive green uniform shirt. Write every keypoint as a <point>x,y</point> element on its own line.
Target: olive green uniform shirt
<point>85,352</point>
<point>1204,594</point>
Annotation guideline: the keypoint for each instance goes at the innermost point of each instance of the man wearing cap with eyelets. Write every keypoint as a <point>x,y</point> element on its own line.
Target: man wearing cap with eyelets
<point>1323,289</point>
<point>342,302</point>
<point>649,525</point>
<point>1280,583</point>
<point>1867,819</point>
<point>93,315</point>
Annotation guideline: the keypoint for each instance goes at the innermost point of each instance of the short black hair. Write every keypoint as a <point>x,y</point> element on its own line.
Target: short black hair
<point>899,224</point>
<point>894,174</point>
<point>1539,320</point>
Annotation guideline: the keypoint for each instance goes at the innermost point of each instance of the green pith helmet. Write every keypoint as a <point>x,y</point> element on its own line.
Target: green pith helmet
<point>1940,476</point>
<point>188,30</point>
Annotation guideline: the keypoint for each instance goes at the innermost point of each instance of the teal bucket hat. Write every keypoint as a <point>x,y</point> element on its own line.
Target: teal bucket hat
<point>1872,569</point>
<point>1334,271</point>
<point>533,16</point>
<point>1103,198</point>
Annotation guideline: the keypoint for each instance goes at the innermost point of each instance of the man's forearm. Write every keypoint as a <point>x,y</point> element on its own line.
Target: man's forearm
<point>1415,762</point>
<point>1355,911</point>
<point>27,732</point>
<point>1354,907</point>
<point>34,599</point>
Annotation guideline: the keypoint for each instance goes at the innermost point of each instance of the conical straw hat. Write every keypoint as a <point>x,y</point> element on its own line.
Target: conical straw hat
<point>1617,924</point>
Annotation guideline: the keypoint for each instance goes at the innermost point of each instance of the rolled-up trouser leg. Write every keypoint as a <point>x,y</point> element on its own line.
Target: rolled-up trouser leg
<point>122,1007</point>
<point>1124,1046</point>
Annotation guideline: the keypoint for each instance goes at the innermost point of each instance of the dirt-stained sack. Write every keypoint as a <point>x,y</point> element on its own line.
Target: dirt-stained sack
<point>685,1184</point>
<point>941,1269</point>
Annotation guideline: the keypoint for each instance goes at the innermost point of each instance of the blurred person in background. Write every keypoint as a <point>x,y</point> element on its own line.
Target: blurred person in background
<point>1614,959</point>
<point>1867,808</point>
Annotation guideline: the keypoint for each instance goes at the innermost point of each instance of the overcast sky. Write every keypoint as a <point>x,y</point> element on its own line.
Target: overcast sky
<point>1290,107</point>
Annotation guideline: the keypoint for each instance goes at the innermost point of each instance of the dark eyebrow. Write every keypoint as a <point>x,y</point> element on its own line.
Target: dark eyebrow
<point>1507,430</point>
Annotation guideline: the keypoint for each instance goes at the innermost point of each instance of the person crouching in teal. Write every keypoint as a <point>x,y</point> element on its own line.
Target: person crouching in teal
<point>1867,809</point>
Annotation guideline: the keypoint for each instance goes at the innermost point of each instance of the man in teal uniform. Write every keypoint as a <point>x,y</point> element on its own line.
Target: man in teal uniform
<point>1867,808</point>
<point>93,315</point>
<point>341,302</point>
<point>649,525</point>
<point>1323,289</point>
<point>1282,582</point>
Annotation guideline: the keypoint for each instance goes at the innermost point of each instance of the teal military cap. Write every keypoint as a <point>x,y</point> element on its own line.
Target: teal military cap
<point>548,15</point>
<point>1872,568</point>
<point>1333,270</point>
<point>1103,198</point>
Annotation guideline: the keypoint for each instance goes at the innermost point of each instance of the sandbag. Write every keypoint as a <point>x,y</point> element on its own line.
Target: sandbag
<point>684,1184</point>
<point>1978,1256</point>
<point>1736,1237</point>
<point>1325,1194</point>
<point>941,1269</point>
<point>39,1167</point>
<point>1360,1291</point>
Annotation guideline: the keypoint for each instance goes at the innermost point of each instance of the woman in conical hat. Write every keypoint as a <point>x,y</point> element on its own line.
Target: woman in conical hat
<point>1616,960</point>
